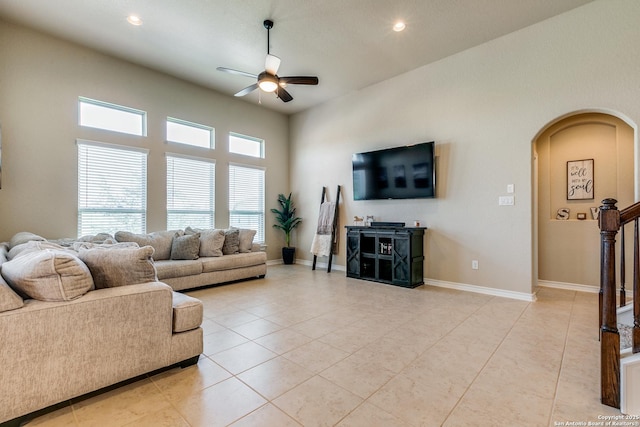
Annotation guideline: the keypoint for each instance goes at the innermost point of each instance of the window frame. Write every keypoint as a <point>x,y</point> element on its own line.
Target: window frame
<point>186,123</point>
<point>212,199</point>
<point>121,108</point>
<point>260,232</point>
<point>83,191</point>
<point>261,141</point>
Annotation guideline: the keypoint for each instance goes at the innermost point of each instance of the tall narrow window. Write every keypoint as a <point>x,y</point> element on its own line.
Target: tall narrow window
<point>246,198</point>
<point>190,192</point>
<point>112,188</point>
<point>107,116</point>
<point>246,145</point>
<point>190,133</point>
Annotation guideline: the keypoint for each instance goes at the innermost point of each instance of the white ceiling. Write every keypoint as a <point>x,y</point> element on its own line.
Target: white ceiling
<point>348,44</point>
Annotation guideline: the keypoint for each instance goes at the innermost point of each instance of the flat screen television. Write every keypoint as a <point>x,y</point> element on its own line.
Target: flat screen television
<point>406,172</point>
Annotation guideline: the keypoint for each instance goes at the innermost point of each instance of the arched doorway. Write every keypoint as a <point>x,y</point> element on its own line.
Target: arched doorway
<point>568,247</point>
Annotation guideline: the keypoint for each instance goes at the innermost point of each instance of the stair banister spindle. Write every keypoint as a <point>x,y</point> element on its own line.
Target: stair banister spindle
<point>609,223</point>
<point>636,290</point>
<point>623,293</point>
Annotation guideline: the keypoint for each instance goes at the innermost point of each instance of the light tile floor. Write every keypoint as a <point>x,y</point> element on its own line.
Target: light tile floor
<point>311,348</point>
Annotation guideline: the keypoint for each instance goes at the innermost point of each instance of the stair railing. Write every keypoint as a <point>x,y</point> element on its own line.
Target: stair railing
<point>610,221</point>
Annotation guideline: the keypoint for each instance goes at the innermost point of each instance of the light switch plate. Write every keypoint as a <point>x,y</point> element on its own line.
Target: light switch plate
<point>510,188</point>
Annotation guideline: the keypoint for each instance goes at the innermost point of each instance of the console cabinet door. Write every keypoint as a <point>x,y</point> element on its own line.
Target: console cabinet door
<point>401,261</point>
<point>353,254</point>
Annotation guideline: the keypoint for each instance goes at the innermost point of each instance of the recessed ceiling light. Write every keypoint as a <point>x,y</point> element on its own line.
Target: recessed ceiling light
<point>134,20</point>
<point>399,26</point>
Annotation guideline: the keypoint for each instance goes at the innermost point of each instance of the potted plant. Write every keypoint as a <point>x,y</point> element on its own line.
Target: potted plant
<point>286,220</point>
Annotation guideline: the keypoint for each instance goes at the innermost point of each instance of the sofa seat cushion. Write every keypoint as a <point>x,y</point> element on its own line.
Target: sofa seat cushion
<point>187,312</point>
<point>228,262</point>
<point>48,275</point>
<point>177,268</point>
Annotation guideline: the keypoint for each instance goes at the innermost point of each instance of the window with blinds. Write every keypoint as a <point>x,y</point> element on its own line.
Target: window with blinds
<point>190,192</point>
<point>246,198</point>
<point>112,188</point>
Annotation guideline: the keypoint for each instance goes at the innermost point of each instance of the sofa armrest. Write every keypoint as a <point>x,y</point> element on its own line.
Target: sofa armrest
<point>54,351</point>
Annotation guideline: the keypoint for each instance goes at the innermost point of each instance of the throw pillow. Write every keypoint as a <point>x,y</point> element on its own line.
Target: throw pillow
<point>48,275</point>
<point>9,300</point>
<point>231,241</point>
<point>211,241</point>
<point>119,266</point>
<point>185,247</point>
<point>160,240</point>
<point>246,240</point>
<point>24,237</point>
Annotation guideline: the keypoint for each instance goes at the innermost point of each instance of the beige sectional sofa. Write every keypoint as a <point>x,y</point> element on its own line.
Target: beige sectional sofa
<point>73,322</point>
<point>79,315</point>
<point>219,256</point>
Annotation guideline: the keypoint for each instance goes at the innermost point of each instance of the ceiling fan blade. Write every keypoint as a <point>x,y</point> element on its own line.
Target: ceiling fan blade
<point>299,80</point>
<point>240,73</point>
<point>271,64</point>
<point>247,90</point>
<point>283,94</point>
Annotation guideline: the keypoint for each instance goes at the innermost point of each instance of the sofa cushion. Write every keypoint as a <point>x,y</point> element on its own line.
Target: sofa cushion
<point>48,275</point>
<point>35,245</point>
<point>211,241</point>
<point>169,269</point>
<point>112,267</point>
<point>24,237</point>
<point>246,240</point>
<point>159,240</point>
<point>185,247</point>
<point>231,241</point>
<point>187,312</point>
<point>9,300</point>
<point>229,262</point>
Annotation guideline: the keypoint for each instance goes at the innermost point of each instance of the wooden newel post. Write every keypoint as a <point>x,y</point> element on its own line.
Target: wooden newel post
<point>609,223</point>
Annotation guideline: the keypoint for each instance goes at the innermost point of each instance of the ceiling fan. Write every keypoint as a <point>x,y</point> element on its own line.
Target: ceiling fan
<point>268,80</point>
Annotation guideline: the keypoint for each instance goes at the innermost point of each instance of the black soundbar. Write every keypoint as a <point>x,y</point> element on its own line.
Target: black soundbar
<point>387,224</point>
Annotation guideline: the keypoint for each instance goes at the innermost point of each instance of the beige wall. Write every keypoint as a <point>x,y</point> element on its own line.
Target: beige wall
<point>40,80</point>
<point>484,108</point>
<point>567,248</point>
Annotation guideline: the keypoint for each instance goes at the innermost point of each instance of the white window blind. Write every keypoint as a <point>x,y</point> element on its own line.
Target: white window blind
<point>112,188</point>
<point>246,198</point>
<point>190,192</point>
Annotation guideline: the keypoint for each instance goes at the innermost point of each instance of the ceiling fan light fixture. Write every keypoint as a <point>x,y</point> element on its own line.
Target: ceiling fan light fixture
<point>267,82</point>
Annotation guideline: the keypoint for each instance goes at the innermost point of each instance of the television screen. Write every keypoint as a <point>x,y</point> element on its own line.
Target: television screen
<point>395,173</point>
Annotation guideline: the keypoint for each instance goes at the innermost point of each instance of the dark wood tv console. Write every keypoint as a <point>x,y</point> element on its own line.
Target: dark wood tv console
<point>392,255</point>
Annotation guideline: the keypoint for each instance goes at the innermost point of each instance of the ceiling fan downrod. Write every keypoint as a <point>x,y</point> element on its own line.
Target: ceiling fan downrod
<point>268,24</point>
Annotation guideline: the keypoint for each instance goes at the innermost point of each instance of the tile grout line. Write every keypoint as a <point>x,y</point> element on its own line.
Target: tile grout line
<point>497,347</point>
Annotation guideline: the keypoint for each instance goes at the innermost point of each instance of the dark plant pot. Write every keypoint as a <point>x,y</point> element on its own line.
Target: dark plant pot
<point>288,255</point>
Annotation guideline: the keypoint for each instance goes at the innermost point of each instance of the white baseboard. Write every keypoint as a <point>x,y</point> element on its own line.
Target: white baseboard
<point>569,286</point>
<point>481,290</point>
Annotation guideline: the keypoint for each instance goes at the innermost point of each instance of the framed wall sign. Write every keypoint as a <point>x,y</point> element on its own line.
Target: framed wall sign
<point>580,180</point>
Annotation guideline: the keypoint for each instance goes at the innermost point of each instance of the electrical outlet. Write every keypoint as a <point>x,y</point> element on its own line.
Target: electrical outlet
<point>474,264</point>
<point>506,201</point>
